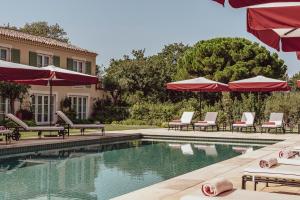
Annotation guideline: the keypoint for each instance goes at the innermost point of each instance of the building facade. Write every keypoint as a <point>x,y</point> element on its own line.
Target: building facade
<point>39,51</point>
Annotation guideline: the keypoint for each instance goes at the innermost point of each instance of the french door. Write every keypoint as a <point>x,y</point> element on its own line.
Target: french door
<point>41,106</point>
<point>79,105</point>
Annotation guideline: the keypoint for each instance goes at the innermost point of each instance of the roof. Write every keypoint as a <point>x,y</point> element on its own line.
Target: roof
<point>42,40</point>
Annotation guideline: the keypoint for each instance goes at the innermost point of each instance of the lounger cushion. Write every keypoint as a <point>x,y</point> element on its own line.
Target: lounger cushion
<point>46,128</point>
<point>242,125</point>
<point>17,121</point>
<point>72,125</point>
<point>64,118</point>
<point>271,126</point>
<point>279,171</point>
<point>88,126</point>
<point>208,123</point>
<point>177,124</point>
<point>5,132</point>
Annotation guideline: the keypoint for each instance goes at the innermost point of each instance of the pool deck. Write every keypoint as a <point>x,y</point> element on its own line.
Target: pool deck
<point>232,169</point>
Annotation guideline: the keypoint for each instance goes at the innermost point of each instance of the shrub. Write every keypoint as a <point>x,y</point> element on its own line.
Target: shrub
<point>105,112</point>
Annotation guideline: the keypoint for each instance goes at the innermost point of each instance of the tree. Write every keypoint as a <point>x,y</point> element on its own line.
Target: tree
<point>13,91</point>
<point>43,29</point>
<point>293,81</point>
<point>229,59</point>
<point>144,78</point>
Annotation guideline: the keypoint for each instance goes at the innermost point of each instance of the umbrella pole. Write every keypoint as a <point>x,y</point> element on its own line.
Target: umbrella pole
<point>50,101</point>
<point>200,105</point>
<point>259,107</point>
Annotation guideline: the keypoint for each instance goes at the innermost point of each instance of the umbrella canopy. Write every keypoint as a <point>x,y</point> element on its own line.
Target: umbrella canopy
<point>13,71</point>
<point>62,77</point>
<point>276,26</point>
<point>200,84</point>
<point>246,3</point>
<point>259,84</point>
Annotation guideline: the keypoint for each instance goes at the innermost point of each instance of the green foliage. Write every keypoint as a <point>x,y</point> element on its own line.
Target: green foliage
<point>288,103</point>
<point>293,81</point>
<point>229,59</point>
<point>140,81</point>
<point>105,113</point>
<point>13,91</point>
<point>42,28</point>
<point>145,76</point>
<point>158,113</point>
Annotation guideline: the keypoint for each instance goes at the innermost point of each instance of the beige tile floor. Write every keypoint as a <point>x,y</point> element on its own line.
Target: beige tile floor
<point>231,169</point>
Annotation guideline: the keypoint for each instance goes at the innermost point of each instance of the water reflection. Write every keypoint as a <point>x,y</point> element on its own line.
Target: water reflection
<point>101,171</point>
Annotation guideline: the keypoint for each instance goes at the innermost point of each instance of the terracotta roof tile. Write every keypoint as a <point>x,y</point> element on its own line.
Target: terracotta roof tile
<point>43,40</point>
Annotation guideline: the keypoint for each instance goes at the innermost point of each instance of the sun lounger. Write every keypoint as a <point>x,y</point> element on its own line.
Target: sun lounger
<point>7,133</point>
<point>69,124</point>
<point>246,122</point>
<point>22,126</point>
<point>275,122</point>
<point>210,120</point>
<point>293,161</point>
<point>288,175</point>
<point>185,121</point>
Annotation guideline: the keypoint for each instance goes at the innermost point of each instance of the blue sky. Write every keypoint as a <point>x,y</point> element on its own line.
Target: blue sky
<point>113,28</point>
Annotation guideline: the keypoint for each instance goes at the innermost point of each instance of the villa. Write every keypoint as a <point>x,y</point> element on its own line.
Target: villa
<point>39,51</point>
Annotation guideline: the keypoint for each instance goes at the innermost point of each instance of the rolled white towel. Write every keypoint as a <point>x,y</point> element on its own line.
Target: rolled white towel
<point>286,153</point>
<point>268,163</point>
<point>216,186</point>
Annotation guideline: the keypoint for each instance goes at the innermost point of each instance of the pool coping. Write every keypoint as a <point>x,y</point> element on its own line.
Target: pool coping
<point>50,144</point>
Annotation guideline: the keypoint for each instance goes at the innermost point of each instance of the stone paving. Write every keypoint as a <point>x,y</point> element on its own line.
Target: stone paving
<point>232,169</point>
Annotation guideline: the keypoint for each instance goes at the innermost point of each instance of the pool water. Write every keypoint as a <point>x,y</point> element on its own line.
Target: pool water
<point>104,171</point>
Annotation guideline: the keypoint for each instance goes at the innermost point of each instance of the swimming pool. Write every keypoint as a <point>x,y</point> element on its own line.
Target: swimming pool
<point>105,171</point>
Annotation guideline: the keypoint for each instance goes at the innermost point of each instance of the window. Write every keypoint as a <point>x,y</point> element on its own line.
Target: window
<point>79,66</point>
<point>43,60</point>
<point>41,108</point>
<point>4,107</point>
<point>79,105</point>
<point>4,54</point>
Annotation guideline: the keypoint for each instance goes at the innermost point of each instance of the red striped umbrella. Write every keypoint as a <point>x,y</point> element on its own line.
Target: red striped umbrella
<point>60,77</point>
<point>259,84</point>
<point>12,71</point>
<point>246,3</point>
<point>277,27</point>
<point>200,84</point>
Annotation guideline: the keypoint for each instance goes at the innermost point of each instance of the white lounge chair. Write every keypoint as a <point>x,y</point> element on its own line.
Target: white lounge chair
<point>210,120</point>
<point>246,122</point>
<point>22,126</point>
<point>69,124</point>
<point>288,175</point>
<point>275,122</point>
<point>185,121</point>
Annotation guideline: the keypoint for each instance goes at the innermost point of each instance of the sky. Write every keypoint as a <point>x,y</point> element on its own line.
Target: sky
<point>113,28</point>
